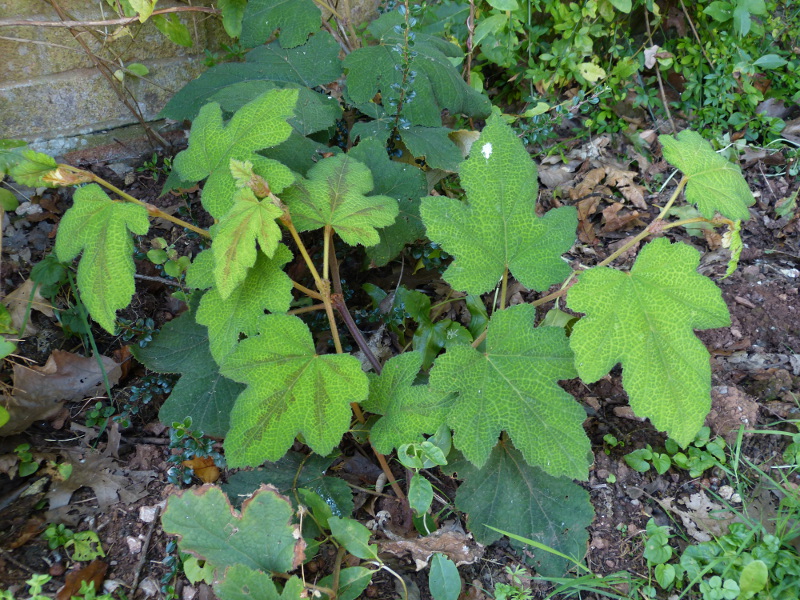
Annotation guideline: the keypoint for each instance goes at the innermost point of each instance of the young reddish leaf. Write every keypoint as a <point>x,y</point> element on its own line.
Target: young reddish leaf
<point>714,184</point>
<point>497,228</point>
<point>290,390</point>
<point>513,387</point>
<point>101,228</point>
<point>644,320</point>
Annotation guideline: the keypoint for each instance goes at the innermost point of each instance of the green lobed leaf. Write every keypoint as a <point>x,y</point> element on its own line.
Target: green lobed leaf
<point>29,168</point>
<point>101,228</point>
<point>644,320</point>
<point>513,387</point>
<point>434,145</point>
<point>266,287</point>
<point>249,221</point>
<point>296,19</point>
<point>408,410</point>
<point>335,194</point>
<point>261,537</point>
<point>497,228</point>
<point>354,537</point>
<point>315,63</point>
<point>212,144</point>
<point>404,183</point>
<point>300,153</point>
<point>290,390</point>
<point>242,583</point>
<point>508,494</point>
<point>201,393</point>
<point>437,85</point>
<point>714,183</point>
<point>444,580</point>
<point>232,14</point>
<point>291,473</point>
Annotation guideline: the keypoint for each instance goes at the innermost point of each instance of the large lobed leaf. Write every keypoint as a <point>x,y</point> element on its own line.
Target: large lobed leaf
<point>201,393</point>
<point>101,229</point>
<point>212,144</point>
<point>714,183</point>
<point>513,387</point>
<point>644,320</point>
<point>290,390</point>
<point>261,537</point>
<point>437,85</point>
<point>312,64</point>
<point>408,410</point>
<point>497,228</point>
<point>335,194</point>
<point>242,583</point>
<point>508,494</point>
<point>296,19</point>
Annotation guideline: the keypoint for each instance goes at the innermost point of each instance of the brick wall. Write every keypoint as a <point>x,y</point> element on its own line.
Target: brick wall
<point>49,87</point>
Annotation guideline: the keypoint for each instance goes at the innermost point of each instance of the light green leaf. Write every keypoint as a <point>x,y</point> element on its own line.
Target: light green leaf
<point>261,537</point>
<point>292,473</point>
<point>644,320</point>
<point>257,125</point>
<point>232,13</point>
<point>313,64</point>
<point>508,494</point>
<point>266,287</point>
<point>243,583</point>
<point>101,228</point>
<point>296,19</point>
<point>741,20</point>
<point>334,194</point>
<point>513,387</point>
<point>8,201</point>
<point>714,183</point>
<point>4,416</point>
<point>249,221</point>
<point>489,26</point>
<point>665,575</point>
<point>352,582</point>
<point>138,69</point>
<point>770,61</point>
<point>503,5</point>
<point>144,8</point>
<point>437,84</point>
<point>434,145</point>
<point>497,228</point>
<point>622,5</point>
<point>408,410</point>
<point>444,580</point>
<point>201,393</point>
<point>290,390</point>
<point>754,578</point>
<point>404,183</point>
<point>170,25</point>
<point>719,11</point>
<point>420,494</point>
<point>733,239</point>
<point>32,168</point>
<point>354,537</point>
<point>591,72</point>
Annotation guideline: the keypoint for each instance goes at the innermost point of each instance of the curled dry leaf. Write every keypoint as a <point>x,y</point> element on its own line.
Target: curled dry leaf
<point>204,468</point>
<point>95,572</point>
<point>17,303</point>
<point>449,540</point>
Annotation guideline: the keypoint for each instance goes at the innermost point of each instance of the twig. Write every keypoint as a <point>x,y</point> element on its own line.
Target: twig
<point>697,37</point>
<point>660,82</point>
<point>145,548</point>
<point>157,279</point>
<point>120,21</point>
<point>13,560</point>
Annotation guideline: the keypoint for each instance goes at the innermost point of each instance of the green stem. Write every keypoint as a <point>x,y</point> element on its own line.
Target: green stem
<point>504,289</point>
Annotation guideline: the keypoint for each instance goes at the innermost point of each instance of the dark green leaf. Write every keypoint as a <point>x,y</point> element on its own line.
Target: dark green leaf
<point>295,19</point>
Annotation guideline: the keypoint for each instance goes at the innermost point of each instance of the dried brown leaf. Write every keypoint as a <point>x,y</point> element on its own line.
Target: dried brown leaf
<point>17,303</point>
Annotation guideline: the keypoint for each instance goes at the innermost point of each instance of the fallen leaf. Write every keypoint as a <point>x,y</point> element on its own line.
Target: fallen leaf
<point>39,391</point>
<point>623,181</point>
<point>95,572</point>
<point>33,527</point>
<point>203,467</point>
<point>450,540</point>
<point>615,222</point>
<point>18,301</point>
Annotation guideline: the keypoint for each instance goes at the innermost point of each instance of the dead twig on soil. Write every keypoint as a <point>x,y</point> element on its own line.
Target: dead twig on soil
<point>661,82</point>
<point>145,548</point>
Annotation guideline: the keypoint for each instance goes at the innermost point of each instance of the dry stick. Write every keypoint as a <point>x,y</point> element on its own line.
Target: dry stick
<point>120,21</point>
<point>660,81</point>
<point>145,548</point>
<point>161,280</point>
<point>697,37</point>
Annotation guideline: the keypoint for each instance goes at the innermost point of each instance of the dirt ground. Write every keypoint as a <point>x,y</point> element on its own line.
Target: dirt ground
<point>756,379</point>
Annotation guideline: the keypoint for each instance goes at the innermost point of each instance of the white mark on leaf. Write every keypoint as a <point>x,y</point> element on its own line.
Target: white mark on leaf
<point>486,151</point>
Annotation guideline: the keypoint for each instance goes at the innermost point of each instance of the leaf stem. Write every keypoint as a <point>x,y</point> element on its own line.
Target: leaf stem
<point>504,289</point>
<point>306,309</point>
<point>317,588</point>
<point>307,291</point>
<point>326,250</point>
<point>337,569</point>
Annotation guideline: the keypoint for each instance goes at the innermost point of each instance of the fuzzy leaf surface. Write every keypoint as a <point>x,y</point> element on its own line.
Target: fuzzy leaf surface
<point>242,583</point>
<point>31,168</point>
<point>437,85</point>
<point>266,287</point>
<point>212,144</point>
<point>261,537</point>
<point>101,229</point>
<point>296,19</point>
<point>408,410</point>
<point>513,387</point>
<point>714,184</point>
<point>291,473</point>
<point>335,194</point>
<point>404,183</point>
<point>290,390</point>
<point>497,228</point>
<point>644,320</point>
<point>249,221</point>
<point>508,494</point>
<point>201,393</point>
<point>312,64</point>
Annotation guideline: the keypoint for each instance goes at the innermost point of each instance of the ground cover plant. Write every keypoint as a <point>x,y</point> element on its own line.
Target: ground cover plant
<point>295,179</point>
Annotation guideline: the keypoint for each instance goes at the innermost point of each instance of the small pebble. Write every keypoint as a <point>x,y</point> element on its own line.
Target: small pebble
<point>134,544</point>
<point>726,492</point>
